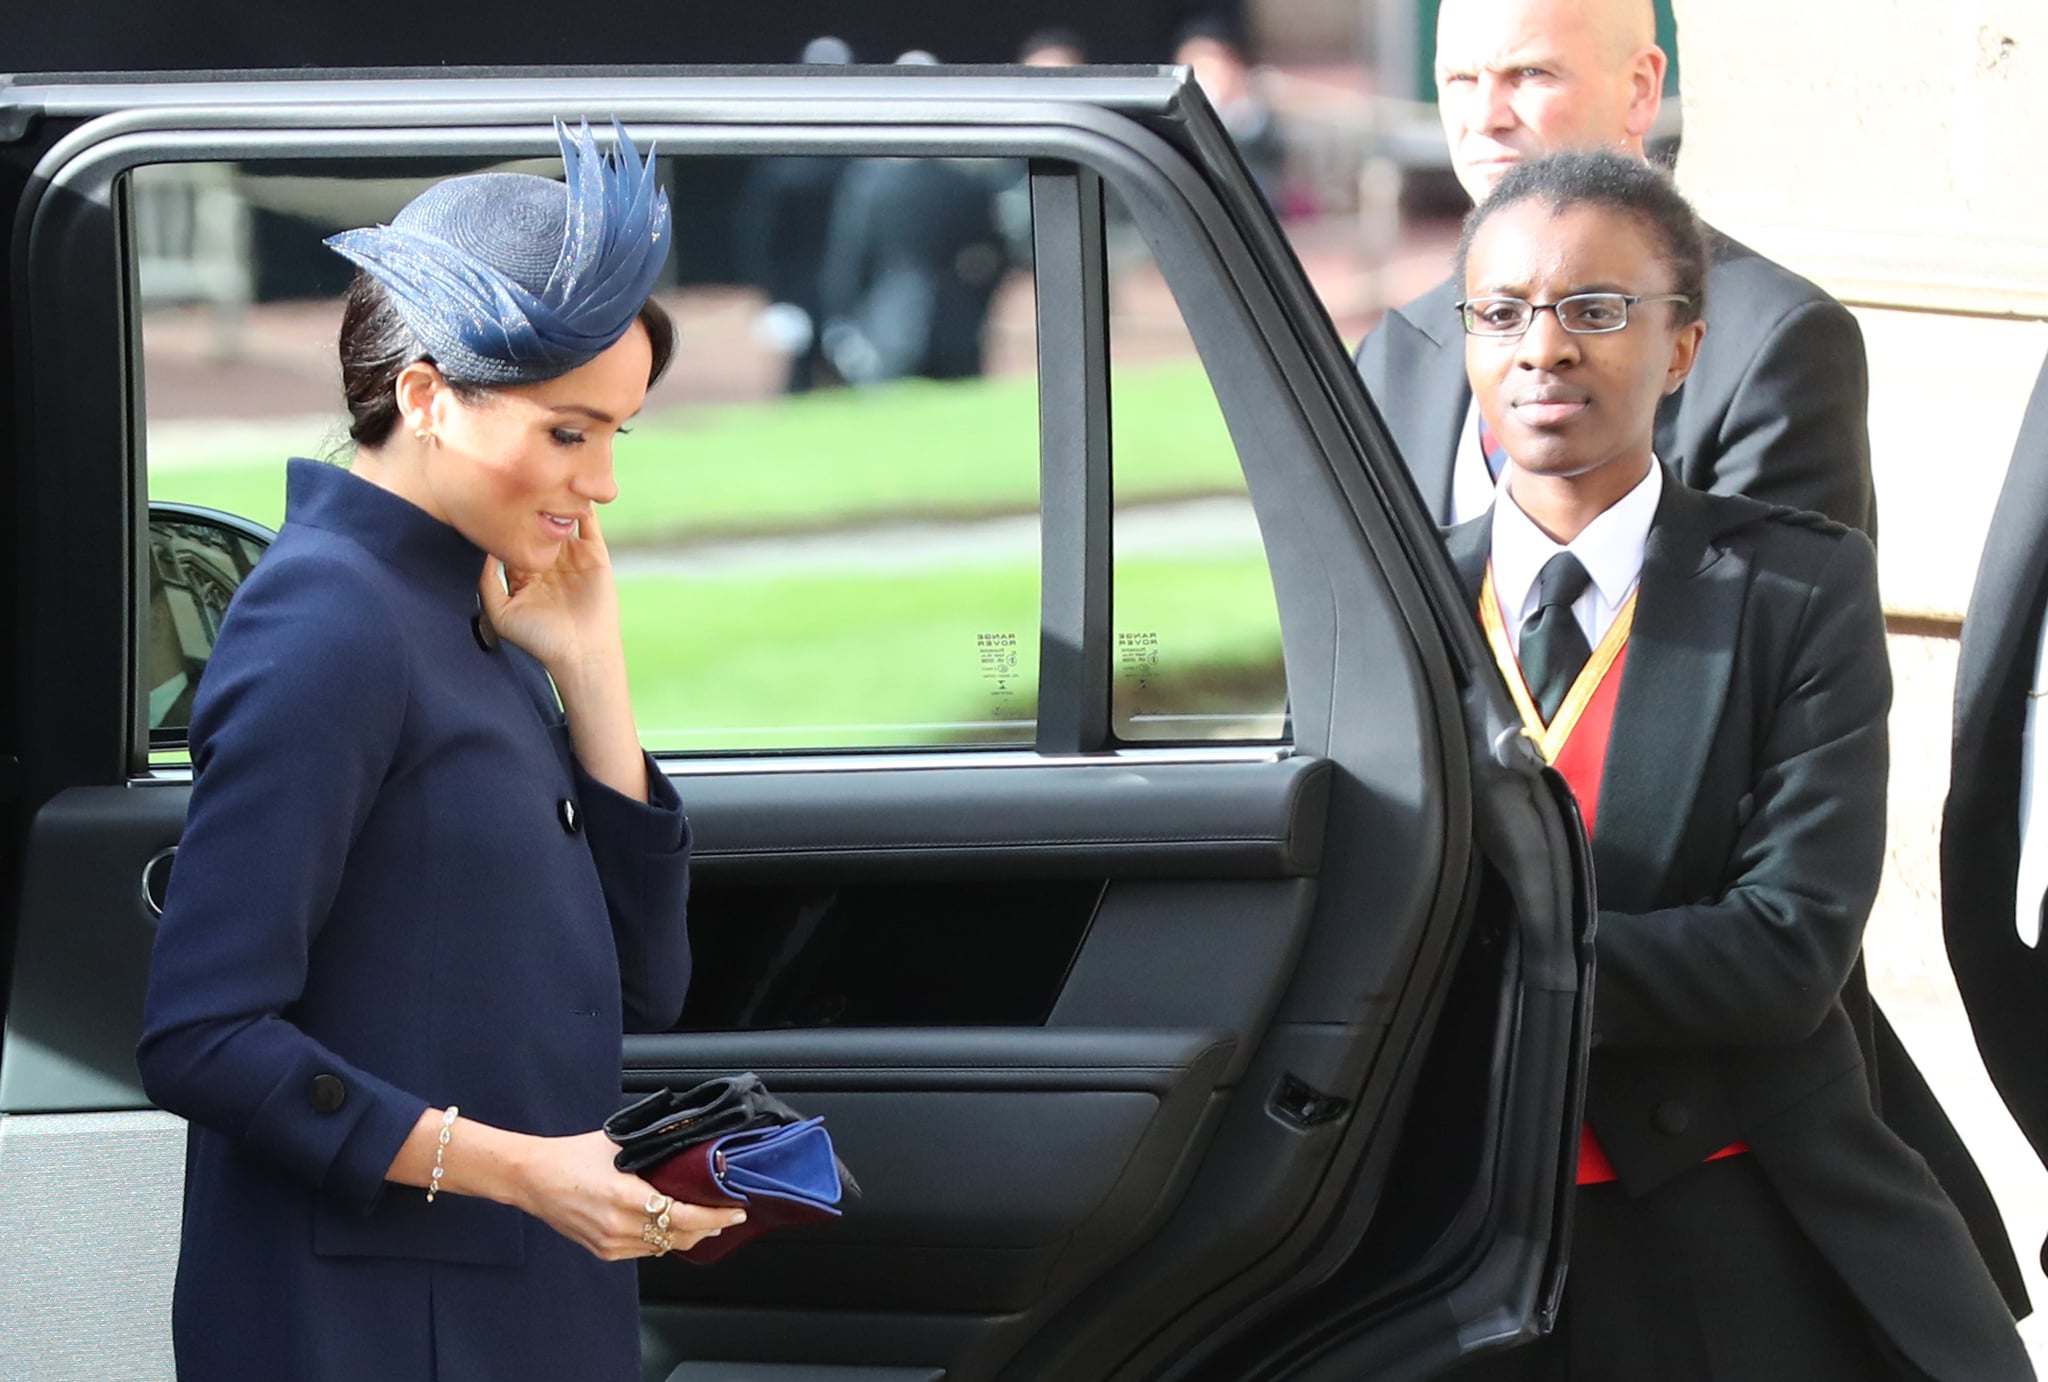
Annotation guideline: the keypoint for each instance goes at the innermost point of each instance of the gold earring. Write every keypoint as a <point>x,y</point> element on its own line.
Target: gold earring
<point>425,436</point>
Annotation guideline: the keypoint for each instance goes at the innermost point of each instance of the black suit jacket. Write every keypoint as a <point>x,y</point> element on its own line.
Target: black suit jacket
<point>1741,836</point>
<point>2004,982</point>
<point>1774,409</point>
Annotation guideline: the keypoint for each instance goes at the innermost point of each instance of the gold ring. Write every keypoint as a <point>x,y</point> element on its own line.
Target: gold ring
<point>658,1203</point>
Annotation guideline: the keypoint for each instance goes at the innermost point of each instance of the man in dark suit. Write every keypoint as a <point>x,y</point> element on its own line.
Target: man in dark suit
<point>1775,408</point>
<point>1991,885</point>
<point>1709,674</point>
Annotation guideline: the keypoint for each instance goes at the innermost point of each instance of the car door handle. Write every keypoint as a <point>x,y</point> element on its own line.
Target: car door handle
<point>156,880</point>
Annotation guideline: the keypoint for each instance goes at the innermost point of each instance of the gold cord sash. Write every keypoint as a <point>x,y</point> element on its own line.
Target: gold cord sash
<point>1551,738</point>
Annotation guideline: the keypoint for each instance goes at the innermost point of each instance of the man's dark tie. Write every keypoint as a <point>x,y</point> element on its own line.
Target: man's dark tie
<point>1553,647</point>
<point>1489,446</point>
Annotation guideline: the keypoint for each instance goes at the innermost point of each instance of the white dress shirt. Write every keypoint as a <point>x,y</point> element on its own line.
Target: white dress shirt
<point>1610,548</point>
<point>1472,485</point>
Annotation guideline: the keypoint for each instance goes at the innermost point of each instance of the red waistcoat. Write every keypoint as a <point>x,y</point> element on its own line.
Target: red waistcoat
<point>1575,743</point>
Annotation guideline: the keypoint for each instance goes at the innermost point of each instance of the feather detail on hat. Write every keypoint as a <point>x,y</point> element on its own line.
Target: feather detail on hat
<point>507,278</point>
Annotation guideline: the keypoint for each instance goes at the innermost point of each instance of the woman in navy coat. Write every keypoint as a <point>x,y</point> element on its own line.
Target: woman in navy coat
<point>428,876</point>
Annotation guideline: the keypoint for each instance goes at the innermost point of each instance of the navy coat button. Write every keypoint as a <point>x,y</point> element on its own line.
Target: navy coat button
<point>572,819</point>
<point>1671,1118</point>
<point>486,636</point>
<point>326,1093</point>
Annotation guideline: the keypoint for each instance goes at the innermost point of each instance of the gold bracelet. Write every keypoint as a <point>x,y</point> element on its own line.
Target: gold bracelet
<point>441,1150</point>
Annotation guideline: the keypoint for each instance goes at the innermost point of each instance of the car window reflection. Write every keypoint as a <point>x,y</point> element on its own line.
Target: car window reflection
<point>195,566</point>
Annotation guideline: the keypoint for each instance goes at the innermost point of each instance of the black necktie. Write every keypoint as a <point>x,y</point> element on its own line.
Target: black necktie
<point>1553,646</point>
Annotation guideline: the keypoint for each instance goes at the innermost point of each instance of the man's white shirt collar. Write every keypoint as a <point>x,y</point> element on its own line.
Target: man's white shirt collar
<point>1473,486</point>
<point>1611,548</point>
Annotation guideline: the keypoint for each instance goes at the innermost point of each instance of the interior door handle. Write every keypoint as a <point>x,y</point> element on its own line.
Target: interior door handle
<point>156,879</point>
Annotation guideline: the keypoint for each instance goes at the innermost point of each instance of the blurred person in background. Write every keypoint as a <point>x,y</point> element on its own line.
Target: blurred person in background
<point>1775,408</point>
<point>780,230</point>
<point>913,260</point>
<point>1211,47</point>
<point>1054,47</point>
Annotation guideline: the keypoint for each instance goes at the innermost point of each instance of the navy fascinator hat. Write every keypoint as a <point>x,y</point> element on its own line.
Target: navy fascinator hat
<point>508,278</point>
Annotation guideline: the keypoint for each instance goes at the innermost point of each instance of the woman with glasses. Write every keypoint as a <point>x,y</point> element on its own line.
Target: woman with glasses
<point>1709,675</point>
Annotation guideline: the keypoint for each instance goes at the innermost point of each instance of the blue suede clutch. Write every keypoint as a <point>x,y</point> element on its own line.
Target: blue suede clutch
<point>729,1142</point>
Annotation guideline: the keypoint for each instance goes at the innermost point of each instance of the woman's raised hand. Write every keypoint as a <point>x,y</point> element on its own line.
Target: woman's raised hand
<point>567,616</point>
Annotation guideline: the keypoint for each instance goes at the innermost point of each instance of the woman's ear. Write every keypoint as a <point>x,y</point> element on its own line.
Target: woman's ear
<point>419,388</point>
<point>1685,351</point>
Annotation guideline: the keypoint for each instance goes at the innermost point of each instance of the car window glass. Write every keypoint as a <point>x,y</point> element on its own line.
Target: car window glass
<point>1197,633</point>
<point>826,534</point>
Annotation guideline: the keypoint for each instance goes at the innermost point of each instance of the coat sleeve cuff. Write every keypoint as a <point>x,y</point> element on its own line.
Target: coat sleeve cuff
<point>656,826</point>
<point>337,1127</point>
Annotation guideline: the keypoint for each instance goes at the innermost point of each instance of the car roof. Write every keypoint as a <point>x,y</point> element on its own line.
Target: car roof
<point>1138,91</point>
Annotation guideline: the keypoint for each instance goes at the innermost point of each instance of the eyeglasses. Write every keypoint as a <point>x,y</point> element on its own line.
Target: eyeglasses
<point>1582,314</point>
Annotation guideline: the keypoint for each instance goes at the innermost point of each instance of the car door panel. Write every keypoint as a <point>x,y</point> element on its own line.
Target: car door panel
<point>90,847</point>
<point>972,1194</point>
<point>779,1372</point>
<point>66,1310</point>
<point>990,1156</point>
<point>83,932</point>
<point>1156,819</point>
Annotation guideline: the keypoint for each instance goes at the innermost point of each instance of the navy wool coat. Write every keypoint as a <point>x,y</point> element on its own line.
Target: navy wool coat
<point>396,889</point>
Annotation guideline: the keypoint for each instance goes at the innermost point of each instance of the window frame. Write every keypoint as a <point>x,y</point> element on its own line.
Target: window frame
<point>1067,165</point>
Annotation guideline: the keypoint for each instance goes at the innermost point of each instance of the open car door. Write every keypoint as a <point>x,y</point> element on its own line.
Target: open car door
<point>1195,1043</point>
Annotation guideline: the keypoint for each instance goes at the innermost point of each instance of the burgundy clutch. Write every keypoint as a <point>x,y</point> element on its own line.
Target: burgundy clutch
<point>730,1142</point>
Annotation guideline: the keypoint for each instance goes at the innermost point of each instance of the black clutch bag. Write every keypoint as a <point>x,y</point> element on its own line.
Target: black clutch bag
<point>728,1141</point>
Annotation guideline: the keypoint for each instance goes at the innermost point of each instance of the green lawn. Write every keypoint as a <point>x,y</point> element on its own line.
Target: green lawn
<point>842,661</point>
<point>826,459</point>
<point>823,660</point>
<point>762,657</point>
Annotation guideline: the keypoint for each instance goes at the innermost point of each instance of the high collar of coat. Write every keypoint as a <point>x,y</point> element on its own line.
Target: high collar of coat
<point>423,548</point>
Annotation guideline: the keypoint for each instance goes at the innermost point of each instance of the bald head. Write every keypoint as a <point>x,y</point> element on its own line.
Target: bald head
<point>1626,24</point>
<point>1517,79</point>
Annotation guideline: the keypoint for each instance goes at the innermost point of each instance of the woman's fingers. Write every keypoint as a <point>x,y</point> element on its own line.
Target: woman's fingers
<point>615,1216</point>
<point>700,1218</point>
<point>490,587</point>
<point>673,1226</point>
